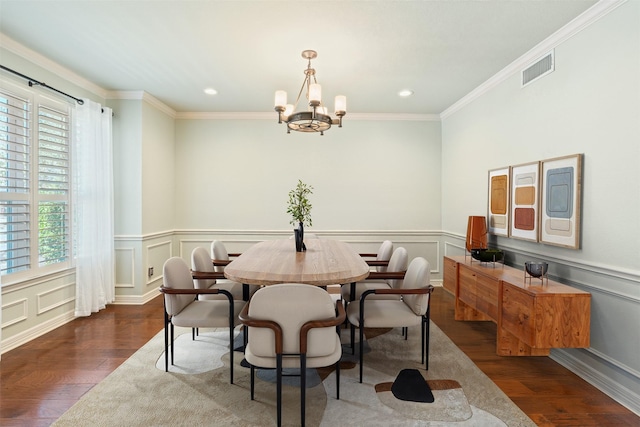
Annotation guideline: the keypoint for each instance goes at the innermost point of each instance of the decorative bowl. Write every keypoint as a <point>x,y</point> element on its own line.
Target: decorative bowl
<point>536,269</point>
<point>487,255</point>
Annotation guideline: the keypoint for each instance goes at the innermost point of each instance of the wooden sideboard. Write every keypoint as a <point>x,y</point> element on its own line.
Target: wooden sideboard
<point>531,316</point>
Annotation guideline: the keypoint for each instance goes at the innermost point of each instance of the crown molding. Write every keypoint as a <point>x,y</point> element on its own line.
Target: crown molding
<point>204,115</point>
<point>272,116</point>
<point>141,95</point>
<point>582,21</point>
<point>49,65</point>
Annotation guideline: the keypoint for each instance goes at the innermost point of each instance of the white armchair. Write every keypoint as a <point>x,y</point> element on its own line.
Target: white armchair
<point>412,309</point>
<point>292,326</point>
<point>183,309</point>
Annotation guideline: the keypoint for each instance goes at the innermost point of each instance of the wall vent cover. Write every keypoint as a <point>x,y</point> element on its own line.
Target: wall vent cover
<point>541,67</point>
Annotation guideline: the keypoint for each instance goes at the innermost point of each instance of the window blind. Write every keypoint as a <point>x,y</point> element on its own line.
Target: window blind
<point>35,162</point>
<point>53,186</point>
<point>15,183</point>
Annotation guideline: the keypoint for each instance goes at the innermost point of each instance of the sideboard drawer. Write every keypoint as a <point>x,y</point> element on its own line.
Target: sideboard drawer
<point>479,291</point>
<point>518,313</point>
<point>544,320</point>
<point>487,291</point>
<point>467,286</point>
<point>450,275</point>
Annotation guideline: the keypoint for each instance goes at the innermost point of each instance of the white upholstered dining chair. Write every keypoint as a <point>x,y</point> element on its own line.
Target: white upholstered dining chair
<point>380,280</point>
<point>410,310</point>
<point>183,309</point>
<point>202,266</point>
<point>220,258</point>
<point>292,325</point>
<point>380,260</point>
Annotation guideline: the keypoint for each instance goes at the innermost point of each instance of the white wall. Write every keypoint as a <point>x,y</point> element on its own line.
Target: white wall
<point>590,104</point>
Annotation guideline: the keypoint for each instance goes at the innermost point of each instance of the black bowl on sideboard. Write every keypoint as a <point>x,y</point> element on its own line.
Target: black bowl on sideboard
<point>536,269</point>
<point>487,255</point>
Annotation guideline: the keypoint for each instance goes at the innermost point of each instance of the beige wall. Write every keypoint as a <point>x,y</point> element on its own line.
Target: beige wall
<point>368,175</point>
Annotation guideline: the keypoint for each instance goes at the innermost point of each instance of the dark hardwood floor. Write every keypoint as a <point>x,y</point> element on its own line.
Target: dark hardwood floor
<point>41,379</point>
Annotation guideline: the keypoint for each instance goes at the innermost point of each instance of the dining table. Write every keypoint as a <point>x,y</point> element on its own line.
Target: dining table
<point>325,262</point>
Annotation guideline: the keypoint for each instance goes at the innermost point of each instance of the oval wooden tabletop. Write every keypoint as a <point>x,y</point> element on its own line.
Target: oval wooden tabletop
<point>325,262</point>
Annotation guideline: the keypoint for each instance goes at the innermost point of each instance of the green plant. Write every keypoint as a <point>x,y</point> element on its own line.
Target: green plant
<point>298,206</point>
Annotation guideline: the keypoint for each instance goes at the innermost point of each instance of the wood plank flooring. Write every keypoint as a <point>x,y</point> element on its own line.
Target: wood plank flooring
<point>41,379</point>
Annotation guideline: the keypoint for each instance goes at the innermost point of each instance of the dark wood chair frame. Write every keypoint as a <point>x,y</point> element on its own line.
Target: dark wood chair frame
<point>304,330</point>
<point>424,323</point>
<point>167,321</point>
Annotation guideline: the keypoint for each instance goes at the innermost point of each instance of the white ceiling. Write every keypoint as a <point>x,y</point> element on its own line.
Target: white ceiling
<point>367,50</point>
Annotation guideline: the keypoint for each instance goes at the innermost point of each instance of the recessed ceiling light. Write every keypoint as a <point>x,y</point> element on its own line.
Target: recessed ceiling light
<point>404,93</point>
<point>210,91</point>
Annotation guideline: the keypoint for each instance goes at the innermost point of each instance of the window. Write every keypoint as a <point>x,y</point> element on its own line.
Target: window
<point>35,232</point>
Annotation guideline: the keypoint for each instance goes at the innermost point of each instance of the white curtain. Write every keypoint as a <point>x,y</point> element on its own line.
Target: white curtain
<point>93,207</point>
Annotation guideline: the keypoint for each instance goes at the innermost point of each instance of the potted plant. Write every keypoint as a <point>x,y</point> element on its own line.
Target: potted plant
<point>299,208</point>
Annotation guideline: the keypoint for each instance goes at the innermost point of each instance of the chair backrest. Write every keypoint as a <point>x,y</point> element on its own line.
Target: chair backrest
<point>201,261</point>
<point>219,252</point>
<point>177,276</point>
<point>384,254</point>
<point>291,305</point>
<point>418,276</point>
<point>398,262</point>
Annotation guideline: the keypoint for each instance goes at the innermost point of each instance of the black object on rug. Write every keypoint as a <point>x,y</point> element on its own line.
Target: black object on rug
<point>410,385</point>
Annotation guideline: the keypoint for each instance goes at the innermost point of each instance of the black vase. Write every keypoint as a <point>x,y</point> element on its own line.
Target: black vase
<point>299,234</point>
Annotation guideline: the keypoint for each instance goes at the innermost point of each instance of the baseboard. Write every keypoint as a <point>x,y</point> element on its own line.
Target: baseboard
<point>618,392</point>
<point>136,299</point>
<point>39,330</point>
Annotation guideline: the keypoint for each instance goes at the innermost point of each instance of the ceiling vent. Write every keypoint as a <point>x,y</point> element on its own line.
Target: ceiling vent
<point>541,67</point>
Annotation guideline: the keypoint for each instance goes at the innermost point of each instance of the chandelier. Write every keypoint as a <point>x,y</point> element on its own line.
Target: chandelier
<point>315,118</point>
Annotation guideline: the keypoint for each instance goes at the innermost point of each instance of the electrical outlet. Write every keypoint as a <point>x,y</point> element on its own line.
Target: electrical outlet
<point>150,271</point>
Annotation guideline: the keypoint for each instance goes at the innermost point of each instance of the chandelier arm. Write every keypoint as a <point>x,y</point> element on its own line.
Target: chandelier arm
<point>306,78</point>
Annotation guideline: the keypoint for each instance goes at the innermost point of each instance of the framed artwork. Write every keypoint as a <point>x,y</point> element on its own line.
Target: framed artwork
<point>498,209</point>
<point>525,195</point>
<point>560,201</point>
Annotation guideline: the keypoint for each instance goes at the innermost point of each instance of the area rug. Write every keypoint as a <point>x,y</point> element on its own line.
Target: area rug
<point>196,391</point>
